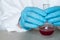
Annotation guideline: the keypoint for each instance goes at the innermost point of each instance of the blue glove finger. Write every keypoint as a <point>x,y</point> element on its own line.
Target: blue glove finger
<point>36,16</point>
<point>56,24</point>
<point>35,10</point>
<point>30,25</point>
<point>52,9</point>
<point>22,22</point>
<point>34,21</point>
<point>53,15</point>
<point>54,20</point>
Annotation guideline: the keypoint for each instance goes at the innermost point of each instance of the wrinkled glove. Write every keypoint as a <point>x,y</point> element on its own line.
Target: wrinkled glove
<point>32,17</point>
<point>53,15</point>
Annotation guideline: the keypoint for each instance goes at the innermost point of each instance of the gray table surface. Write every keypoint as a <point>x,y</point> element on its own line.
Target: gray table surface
<point>31,35</point>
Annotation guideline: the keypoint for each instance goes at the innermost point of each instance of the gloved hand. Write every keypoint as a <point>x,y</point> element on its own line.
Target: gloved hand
<point>32,17</point>
<point>53,15</point>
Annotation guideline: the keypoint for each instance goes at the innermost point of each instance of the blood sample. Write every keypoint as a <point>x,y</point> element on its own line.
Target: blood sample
<point>47,29</point>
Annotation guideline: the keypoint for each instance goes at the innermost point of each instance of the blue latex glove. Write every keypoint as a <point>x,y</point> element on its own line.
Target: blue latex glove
<point>53,15</point>
<point>32,17</point>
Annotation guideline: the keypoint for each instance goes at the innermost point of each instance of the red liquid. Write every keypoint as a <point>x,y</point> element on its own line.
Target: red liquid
<point>46,32</point>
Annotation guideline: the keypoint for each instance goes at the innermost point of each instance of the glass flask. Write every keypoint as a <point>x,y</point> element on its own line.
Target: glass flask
<point>47,29</point>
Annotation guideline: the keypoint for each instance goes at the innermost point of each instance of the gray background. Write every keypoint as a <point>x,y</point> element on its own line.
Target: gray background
<point>31,35</point>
